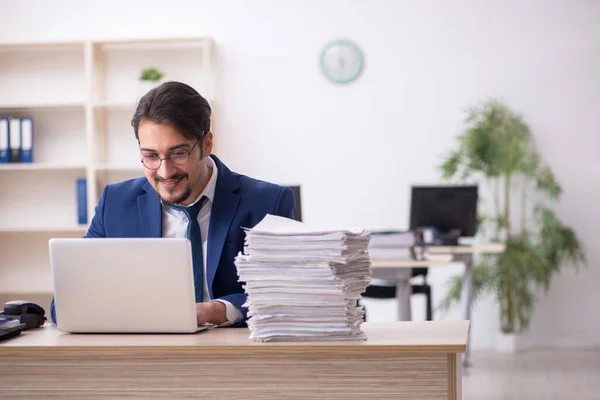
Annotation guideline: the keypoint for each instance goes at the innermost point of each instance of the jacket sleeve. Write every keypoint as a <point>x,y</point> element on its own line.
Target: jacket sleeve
<point>286,203</point>
<point>283,207</point>
<point>237,300</point>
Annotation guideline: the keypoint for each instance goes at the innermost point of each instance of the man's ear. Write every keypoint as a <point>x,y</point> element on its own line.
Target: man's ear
<point>207,144</point>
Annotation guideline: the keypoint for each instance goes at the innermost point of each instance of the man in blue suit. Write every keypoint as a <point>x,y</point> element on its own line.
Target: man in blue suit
<point>172,125</point>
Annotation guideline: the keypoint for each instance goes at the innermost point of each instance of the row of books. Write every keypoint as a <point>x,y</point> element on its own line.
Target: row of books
<point>81,193</point>
<point>16,139</point>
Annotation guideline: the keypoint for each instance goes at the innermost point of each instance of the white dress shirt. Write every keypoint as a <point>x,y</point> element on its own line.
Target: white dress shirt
<point>175,224</point>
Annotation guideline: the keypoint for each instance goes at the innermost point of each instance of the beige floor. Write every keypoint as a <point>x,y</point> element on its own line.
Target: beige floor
<point>533,375</point>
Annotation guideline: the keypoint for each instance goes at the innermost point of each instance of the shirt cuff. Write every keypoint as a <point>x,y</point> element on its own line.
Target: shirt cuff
<point>232,313</point>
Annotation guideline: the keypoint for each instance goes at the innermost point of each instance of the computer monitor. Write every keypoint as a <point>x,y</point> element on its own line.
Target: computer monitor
<point>298,208</point>
<point>451,210</point>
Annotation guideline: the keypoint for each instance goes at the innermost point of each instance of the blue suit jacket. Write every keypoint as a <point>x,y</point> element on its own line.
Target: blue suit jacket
<point>133,209</point>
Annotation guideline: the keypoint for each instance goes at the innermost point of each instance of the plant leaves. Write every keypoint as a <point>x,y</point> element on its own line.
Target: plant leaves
<point>496,145</point>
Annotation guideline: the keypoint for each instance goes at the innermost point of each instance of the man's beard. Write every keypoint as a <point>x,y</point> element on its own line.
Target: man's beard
<point>186,193</point>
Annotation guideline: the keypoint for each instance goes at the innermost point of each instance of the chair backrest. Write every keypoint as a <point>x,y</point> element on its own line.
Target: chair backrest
<point>420,271</point>
<point>418,251</point>
<point>298,208</point>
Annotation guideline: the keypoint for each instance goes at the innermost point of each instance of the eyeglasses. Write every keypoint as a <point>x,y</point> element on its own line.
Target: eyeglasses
<point>178,157</point>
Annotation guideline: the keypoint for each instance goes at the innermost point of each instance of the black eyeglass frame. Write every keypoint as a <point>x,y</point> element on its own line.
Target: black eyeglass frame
<point>170,157</point>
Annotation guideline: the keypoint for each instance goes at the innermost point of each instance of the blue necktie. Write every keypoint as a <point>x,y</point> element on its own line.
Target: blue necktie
<point>195,237</point>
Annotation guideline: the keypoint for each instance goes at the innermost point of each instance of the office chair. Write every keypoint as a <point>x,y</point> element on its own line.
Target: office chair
<point>423,288</point>
<point>389,292</point>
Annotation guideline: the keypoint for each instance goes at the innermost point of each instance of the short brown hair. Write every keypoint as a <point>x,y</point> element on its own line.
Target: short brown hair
<point>176,104</point>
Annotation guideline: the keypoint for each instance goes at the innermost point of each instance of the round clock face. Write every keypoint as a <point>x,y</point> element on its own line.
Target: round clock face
<point>342,61</point>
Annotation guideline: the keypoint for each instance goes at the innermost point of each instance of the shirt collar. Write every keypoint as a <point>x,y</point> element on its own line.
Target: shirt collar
<point>211,185</point>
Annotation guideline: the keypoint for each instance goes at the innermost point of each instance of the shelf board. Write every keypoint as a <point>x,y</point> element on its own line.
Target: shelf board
<point>23,292</point>
<point>155,44</point>
<point>22,286</point>
<point>125,105</point>
<point>49,106</point>
<point>41,167</point>
<point>116,105</point>
<point>41,47</point>
<point>44,229</point>
<point>120,168</point>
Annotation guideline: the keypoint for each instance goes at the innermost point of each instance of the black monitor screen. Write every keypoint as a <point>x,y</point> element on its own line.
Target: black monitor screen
<point>446,208</point>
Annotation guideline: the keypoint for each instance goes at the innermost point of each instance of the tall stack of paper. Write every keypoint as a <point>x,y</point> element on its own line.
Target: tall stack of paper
<point>303,283</point>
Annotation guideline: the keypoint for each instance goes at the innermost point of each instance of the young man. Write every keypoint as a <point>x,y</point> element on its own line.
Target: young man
<point>184,183</point>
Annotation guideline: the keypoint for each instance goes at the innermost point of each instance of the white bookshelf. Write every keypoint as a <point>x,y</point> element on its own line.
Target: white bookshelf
<point>41,166</point>
<point>77,230</point>
<point>41,106</point>
<point>81,96</point>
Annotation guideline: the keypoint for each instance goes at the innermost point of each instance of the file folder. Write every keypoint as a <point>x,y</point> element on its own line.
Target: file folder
<point>4,147</point>
<point>82,201</point>
<point>14,139</point>
<point>26,140</point>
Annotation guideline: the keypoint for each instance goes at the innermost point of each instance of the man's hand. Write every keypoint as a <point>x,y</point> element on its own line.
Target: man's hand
<point>213,312</point>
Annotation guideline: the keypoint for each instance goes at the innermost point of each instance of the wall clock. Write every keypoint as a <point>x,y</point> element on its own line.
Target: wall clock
<point>341,61</point>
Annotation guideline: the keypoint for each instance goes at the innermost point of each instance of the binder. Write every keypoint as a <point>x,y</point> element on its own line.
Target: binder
<point>4,147</point>
<point>26,140</point>
<point>81,192</point>
<point>14,139</point>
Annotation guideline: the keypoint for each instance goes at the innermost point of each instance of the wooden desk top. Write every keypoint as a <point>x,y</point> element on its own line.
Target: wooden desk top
<point>466,249</point>
<point>409,336</point>
<point>440,256</point>
<point>433,262</point>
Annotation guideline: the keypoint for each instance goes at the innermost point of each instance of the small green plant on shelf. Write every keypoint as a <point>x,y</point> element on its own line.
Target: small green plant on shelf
<point>151,75</point>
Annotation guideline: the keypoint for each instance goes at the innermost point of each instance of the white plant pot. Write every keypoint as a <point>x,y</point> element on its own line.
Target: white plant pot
<point>509,343</point>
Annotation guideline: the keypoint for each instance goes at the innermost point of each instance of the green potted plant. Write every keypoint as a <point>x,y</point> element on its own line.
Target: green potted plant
<point>150,78</point>
<point>496,150</point>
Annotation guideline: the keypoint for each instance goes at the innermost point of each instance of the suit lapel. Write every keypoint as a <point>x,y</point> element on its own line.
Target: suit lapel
<point>150,212</point>
<point>223,210</point>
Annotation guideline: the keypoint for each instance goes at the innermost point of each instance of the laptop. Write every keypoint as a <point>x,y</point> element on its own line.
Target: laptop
<point>123,285</point>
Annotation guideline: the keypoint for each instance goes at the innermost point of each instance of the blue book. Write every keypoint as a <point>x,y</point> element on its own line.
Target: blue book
<point>4,141</point>
<point>26,140</point>
<point>82,218</point>
<point>14,139</point>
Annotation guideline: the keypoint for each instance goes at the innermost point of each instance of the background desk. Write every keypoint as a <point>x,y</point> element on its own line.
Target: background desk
<point>465,254</point>
<point>400,360</point>
<point>401,272</point>
<point>455,254</point>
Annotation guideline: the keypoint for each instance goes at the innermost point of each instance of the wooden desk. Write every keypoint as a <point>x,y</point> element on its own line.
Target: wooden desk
<point>387,264</point>
<point>468,249</point>
<point>399,360</point>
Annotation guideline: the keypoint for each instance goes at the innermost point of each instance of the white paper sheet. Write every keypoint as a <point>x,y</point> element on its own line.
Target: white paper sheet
<point>303,281</point>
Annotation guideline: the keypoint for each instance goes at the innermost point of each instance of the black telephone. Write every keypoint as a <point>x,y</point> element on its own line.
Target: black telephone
<point>9,327</point>
<point>26,312</point>
<point>20,315</point>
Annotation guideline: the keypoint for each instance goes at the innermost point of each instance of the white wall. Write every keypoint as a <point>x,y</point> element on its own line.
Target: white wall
<point>356,149</point>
